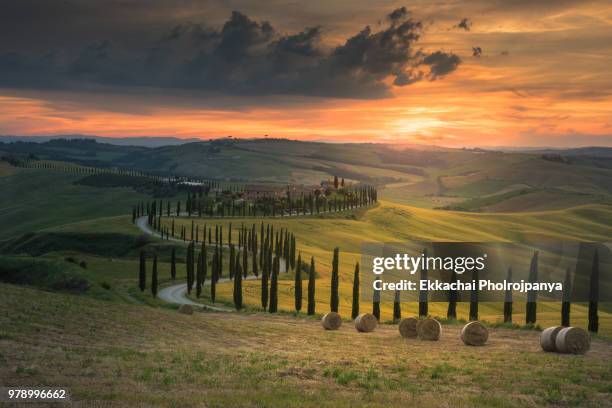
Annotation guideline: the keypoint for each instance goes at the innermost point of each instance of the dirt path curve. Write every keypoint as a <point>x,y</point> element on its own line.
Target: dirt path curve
<point>178,293</point>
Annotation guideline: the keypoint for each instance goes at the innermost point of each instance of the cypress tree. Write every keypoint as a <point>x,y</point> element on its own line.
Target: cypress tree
<point>274,287</point>
<point>594,295</point>
<point>355,309</point>
<point>204,263</point>
<point>262,246</point>
<point>154,277</point>
<point>220,271</point>
<point>264,287</point>
<point>199,276</point>
<point>254,239</point>
<point>508,299</point>
<point>173,264</point>
<point>142,275</point>
<point>474,297</point>
<point>397,308</point>
<point>451,312</point>
<point>189,267</point>
<point>567,298</point>
<point>298,285</point>
<point>293,251</point>
<point>287,253</point>
<point>334,282</point>
<point>238,284</point>
<point>232,261</point>
<point>255,267</point>
<point>532,296</point>
<point>311,287</point>
<point>376,304</point>
<point>213,278</point>
<point>245,261</point>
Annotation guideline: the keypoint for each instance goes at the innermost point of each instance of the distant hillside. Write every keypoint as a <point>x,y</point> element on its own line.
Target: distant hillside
<point>145,141</point>
<point>459,179</point>
<point>274,160</point>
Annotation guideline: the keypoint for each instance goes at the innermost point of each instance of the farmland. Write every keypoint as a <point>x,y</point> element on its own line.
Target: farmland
<point>127,354</point>
<point>70,251</point>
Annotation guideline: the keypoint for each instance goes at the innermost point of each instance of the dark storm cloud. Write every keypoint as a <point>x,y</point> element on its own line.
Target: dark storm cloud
<point>244,56</point>
<point>441,63</point>
<point>304,43</point>
<point>464,24</point>
<point>398,14</point>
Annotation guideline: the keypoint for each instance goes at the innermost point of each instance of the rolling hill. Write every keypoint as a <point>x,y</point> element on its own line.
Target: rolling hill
<point>459,179</point>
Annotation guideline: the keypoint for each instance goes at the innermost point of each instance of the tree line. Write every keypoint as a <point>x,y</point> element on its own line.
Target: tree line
<point>196,183</point>
<point>531,304</point>
<point>277,247</point>
<point>228,204</point>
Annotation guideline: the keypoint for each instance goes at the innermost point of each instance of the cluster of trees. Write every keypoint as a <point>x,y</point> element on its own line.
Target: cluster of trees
<point>256,249</point>
<point>202,203</point>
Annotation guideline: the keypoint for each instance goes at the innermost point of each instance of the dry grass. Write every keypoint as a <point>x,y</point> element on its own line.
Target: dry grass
<point>132,355</point>
<point>392,222</point>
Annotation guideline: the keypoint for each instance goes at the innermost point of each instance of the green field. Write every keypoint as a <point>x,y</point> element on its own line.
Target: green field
<point>32,200</point>
<point>389,222</point>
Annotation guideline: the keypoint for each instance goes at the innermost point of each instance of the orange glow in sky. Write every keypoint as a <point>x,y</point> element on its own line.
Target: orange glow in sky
<point>541,80</point>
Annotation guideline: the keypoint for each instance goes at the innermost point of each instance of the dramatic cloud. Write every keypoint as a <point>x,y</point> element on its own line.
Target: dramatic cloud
<point>242,57</point>
<point>464,24</point>
<point>193,68</point>
<point>441,64</point>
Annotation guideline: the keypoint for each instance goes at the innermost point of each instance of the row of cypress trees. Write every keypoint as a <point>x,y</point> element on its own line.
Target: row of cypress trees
<point>265,206</point>
<point>270,258</point>
<point>91,170</point>
<point>531,304</point>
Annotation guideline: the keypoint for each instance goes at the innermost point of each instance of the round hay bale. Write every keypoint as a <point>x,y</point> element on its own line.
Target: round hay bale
<point>474,334</point>
<point>573,340</point>
<point>186,309</point>
<point>548,338</point>
<point>429,329</point>
<point>331,321</point>
<point>408,327</point>
<point>366,322</point>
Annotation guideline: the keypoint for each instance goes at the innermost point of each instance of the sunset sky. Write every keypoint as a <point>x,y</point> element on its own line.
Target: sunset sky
<point>450,73</point>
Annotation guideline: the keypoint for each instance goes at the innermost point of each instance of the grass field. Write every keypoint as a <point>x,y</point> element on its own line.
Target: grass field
<point>32,200</point>
<point>133,355</point>
<point>114,344</point>
<point>390,222</point>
